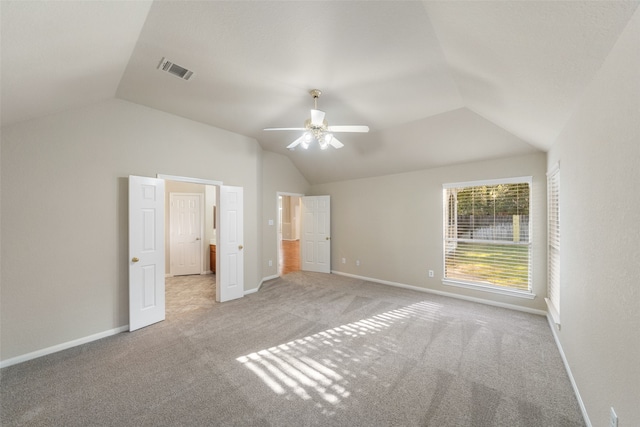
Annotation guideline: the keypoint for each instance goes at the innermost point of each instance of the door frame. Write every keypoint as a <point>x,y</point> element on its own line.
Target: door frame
<point>192,181</point>
<point>279,225</point>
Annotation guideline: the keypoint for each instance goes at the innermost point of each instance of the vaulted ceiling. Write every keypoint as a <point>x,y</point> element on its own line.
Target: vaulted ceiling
<point>438,82</point>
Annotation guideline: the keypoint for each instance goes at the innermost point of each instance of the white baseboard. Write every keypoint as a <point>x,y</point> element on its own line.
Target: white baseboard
<point>63,346</point>
<point>445,294</point>
<point>583,409</point>
<point>264,279</point>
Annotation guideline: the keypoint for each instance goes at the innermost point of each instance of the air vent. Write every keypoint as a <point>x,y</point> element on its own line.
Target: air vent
<point>175,69</point>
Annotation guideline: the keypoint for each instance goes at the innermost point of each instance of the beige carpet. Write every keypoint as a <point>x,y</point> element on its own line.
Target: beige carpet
<point>308,349</point>
<point>187,293</point>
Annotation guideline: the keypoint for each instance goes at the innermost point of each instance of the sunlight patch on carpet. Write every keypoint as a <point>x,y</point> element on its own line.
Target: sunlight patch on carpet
<point>314,368</point>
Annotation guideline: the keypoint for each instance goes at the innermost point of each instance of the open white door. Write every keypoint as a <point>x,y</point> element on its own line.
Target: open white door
<point>316,234</point>
<point>230,252</point>
<point>146,251</point>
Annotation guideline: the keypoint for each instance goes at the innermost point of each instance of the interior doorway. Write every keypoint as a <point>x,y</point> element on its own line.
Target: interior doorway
<point>191,239</point>
<point>190,230</point>
<point>289,229</point>
<point>148,246</point>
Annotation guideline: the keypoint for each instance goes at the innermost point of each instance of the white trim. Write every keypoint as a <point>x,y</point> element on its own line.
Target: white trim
<point>555,168</point>
<point>583,408</point>
<point>188,179</point>
<point>515,180</point>
<point>445,294</point>
<point>63,346</point>
<point>284,193</point>
<point>488,288</point>
<point>555,316</point>
<point>256,289</point>
<point>264,279</point>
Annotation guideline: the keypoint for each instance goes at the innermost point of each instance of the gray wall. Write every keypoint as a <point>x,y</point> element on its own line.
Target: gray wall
<point>64,212</point>
<point>599,155</point>
<point>393,225</point>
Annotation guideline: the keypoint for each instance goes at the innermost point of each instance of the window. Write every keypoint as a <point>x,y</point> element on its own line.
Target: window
<point>487,235</point>
<point>553,241</point>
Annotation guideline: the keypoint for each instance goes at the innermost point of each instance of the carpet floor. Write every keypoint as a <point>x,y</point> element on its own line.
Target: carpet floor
<point>308,349</point>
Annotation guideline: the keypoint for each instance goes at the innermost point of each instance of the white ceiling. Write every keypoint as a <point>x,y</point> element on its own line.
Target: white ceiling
<point>438,83</point>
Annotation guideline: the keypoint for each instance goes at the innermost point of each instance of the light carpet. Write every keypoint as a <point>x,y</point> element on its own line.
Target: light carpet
<point>308,349</point>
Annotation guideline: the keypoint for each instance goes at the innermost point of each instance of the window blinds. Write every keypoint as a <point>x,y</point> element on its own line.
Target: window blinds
<point>487,233</point>
<point>553,239</point>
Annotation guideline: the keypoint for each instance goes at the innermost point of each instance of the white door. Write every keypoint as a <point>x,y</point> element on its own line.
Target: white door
<point>185,230</point>
<point>146,251</point>
<point>316,234</point>
<point>230,251</point>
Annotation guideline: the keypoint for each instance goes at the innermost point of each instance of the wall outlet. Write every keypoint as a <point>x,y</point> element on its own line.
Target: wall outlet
<point>270,263</point>
<point>344,260</point>
<point>430,273</point>
<point>270,222</point>
<point>357,263</point>
<point>613,422</point>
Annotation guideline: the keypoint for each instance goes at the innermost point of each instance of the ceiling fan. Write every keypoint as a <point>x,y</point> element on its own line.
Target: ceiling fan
<point>317,128</point>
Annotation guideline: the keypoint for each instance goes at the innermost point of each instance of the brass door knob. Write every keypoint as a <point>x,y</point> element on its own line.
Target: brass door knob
<point>135,259</point>
<point>240,247</point>
<point>328,238</point>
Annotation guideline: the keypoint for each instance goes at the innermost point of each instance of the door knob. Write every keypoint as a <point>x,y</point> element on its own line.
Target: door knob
<point>328,238</point>
<point>240,247</point>
<point>197,238</point>
<point>135,259</point>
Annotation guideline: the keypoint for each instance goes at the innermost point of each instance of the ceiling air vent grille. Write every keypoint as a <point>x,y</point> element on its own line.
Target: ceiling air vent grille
<point>175,69</point>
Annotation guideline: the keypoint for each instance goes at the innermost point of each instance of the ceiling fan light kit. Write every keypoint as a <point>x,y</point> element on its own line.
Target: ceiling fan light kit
<point>317,129</point>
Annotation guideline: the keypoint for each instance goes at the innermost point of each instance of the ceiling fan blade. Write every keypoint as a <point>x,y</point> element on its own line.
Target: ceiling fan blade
<point>317,117</point>
<point>348,128</point>
<point>295,143</point>
<point>335,143</point>
<point>284,129</point>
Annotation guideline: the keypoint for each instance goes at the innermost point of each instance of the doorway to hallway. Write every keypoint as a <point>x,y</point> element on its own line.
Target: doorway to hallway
<point>289,220</point>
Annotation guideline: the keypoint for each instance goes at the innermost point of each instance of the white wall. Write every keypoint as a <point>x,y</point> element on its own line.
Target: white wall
<point>393,224</point>
<point>599,154</point>
<point>64,212</point>
<point>278,175</point>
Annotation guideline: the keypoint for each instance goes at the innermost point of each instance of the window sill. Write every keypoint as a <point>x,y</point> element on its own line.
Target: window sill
<point>488,288</point>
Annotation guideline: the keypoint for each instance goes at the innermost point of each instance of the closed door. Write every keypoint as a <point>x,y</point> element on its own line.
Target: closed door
<point>185,230</point>
<point>316,234</point>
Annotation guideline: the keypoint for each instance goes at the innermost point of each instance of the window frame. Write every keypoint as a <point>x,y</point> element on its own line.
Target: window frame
<point>504,290</point>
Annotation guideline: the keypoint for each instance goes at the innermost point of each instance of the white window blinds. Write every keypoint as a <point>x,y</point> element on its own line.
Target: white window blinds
<point>553,239</point>
<point>487,233</point>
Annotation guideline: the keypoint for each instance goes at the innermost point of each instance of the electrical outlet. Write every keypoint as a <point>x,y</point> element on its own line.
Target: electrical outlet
<point>357,263</point>
<point>614,419</point>
<point>344,260</point>
<point>270,222</point>
<point>270,263</point>
<point>430,273</point>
